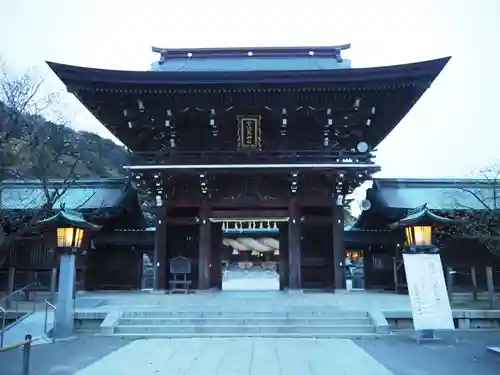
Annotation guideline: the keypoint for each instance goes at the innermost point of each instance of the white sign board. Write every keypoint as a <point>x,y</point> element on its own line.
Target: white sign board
<point>428,295</point>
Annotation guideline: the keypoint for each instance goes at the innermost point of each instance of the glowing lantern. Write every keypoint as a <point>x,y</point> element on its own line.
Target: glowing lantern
<point>69,238</point>
<point>418,235</point>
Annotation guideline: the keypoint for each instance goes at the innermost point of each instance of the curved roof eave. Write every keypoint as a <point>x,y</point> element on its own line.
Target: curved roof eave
<point>75,75</point>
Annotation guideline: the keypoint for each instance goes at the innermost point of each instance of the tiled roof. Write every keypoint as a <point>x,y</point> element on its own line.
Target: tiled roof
<point>82,194</point>
<point>69,217</point>
<point>250,58</point>
<point>437,194</point>
<point>422,216</point>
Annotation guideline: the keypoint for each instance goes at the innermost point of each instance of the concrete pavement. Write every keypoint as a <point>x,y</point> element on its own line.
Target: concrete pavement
<point>34,325</point>
<point>238,356</point>
<point>398,355</point>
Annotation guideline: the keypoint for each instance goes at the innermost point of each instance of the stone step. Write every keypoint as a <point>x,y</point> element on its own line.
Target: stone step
<point>316,335</point>
<point>243,329</point>
<point>265,321</point>
<point>336,314</point>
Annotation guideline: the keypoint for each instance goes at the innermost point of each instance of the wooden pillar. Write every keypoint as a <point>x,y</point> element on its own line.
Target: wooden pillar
<point>473,276</point>
<point>10,284</point>
<point>160,262</point>
<point>491,287</point>
<point>283,258</point>
<point>216,238</point>
<point>81,267</point>
<point>367,267</point>
<point>294,240</point>
<point>11,279</point>
<point>338,243</point>
<point>204,246</point>
<point>53,284</point>
<point>450,273</point>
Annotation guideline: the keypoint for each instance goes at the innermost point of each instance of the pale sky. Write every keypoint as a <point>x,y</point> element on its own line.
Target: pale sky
<point>453,130</point>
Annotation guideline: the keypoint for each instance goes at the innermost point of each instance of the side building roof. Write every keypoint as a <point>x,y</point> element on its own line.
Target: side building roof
<point>84,194</point>
<point>437,194</point>
<point>392,199</point>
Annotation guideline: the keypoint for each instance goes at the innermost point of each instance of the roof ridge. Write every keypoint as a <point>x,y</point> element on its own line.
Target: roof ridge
<point>250,50</point>
<point>435,181</point>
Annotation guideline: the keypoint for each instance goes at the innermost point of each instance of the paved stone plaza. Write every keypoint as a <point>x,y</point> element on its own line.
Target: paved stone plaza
<point>398,355</point>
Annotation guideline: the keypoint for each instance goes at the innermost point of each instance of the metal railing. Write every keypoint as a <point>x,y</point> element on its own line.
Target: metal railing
<point>6,306</point>
<point>26,345</point>
<point>54,308</point>
<point>4,318</point>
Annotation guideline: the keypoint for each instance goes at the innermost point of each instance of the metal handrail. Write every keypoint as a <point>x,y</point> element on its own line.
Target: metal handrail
<point>53,307</point>
<point>7,300</point>
<point>4,317</point>
<point>7,297</point>
<point>26,347</point>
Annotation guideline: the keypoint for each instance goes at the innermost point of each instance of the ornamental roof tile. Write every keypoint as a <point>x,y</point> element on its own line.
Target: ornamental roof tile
<point>422,216</point>
<point>69,217</point>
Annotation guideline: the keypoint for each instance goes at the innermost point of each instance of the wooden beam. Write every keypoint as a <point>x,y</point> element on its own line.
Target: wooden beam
<point>257,213</point>
<point>182,220</point>
<point>280,203</point>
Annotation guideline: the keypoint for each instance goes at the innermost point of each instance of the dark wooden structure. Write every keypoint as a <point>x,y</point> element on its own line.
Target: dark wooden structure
<point>111,203</point>
<point>251,132</point>
<point>424,200</point>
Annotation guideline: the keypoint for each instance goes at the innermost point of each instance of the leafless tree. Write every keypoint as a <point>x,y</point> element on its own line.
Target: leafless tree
<point>477,217</point>
<point>24,138</point>
<point>480,206</point>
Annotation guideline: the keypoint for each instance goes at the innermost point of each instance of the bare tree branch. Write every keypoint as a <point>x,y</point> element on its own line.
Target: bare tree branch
<point>23,135</point>
<point>481,222</point>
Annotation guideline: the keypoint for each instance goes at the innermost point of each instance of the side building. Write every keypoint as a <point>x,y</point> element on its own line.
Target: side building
<point>373,238</point>
<point>105,264</point>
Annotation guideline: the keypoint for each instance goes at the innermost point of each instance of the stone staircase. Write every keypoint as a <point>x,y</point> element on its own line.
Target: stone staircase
<point>178,324</point>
